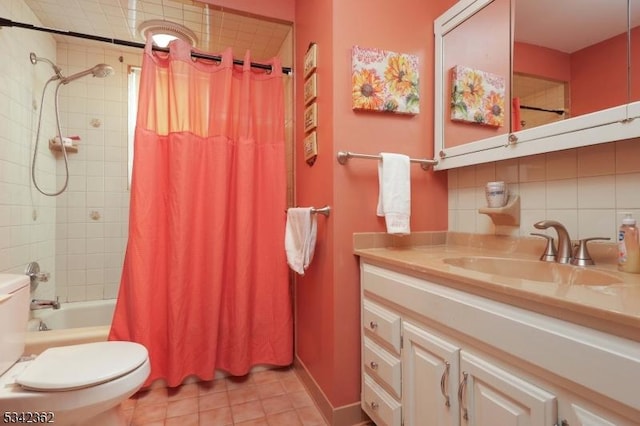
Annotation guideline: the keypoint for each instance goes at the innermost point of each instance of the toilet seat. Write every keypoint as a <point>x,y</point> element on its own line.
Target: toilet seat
<point>79,366</point>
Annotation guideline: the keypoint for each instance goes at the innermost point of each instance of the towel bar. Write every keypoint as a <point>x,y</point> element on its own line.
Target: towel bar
<point>325,211</point>
<point>343,156</point>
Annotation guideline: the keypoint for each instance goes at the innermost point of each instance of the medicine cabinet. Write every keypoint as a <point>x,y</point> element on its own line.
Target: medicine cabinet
<point>567,73</point>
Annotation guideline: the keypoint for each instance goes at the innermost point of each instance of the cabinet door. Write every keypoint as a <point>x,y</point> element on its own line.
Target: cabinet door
<point>429,378</point>
<point>489,395</point>
<point>577,412</point>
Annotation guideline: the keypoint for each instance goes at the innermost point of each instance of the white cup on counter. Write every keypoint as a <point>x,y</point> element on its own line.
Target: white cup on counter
<point>496,193</point>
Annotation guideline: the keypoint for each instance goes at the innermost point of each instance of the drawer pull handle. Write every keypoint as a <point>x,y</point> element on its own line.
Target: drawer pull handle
<point>374,405</point>
<point>443,380</point>
<point>374,365</point>
<point>461,388</point>
<point>373,325</point>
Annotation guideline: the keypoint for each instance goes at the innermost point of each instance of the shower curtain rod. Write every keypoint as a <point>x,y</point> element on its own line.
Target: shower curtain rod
<point>9,23</point>
<point>555,111</point>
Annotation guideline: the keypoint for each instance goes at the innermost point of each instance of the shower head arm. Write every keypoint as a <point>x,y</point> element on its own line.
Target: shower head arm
<point>35,59</point>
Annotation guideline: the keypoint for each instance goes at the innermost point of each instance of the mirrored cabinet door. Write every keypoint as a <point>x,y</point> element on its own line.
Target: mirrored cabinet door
<point>569,78</point>
<point>634,74</point>
<point>569,59</point>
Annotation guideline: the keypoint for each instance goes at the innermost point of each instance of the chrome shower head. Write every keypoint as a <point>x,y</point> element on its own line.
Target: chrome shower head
<point>100,70</point>
<point>35,59</point>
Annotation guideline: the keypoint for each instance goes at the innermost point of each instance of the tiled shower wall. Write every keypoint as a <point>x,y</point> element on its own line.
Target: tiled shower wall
<point>27,218</point>
<point>92,215</point>
<point>586,189</point>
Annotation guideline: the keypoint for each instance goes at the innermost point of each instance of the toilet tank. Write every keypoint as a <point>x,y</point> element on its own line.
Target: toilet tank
<point>14,314</point>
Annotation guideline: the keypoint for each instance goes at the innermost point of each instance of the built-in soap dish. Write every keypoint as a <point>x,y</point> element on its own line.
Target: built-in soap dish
<point>508,215</point>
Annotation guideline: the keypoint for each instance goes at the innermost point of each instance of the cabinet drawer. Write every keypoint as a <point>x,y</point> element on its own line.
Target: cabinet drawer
<point>382,323</point>
<point>379,405</point>
<point>380,363</point>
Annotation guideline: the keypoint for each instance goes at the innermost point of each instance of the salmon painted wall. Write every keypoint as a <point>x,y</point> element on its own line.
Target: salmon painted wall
<point>599,76</point>
<point>600,67</point>
<point>541,61</point>
<point>278,9</point>
<point>328,296</point>
<point>315,312</point>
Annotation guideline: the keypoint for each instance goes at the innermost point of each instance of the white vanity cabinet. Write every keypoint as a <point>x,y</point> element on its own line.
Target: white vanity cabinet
<point>381,366</point>
<point>436,356</point>
<point>430,368</point>
<point>490,395</point>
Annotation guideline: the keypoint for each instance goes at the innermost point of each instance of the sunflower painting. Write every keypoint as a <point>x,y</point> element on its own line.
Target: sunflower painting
<point>385,81</point>
<point>477,96</point>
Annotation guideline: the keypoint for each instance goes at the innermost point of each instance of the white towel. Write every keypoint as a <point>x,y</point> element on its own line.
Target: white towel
<point>300,238</point>
<point>394,199</point>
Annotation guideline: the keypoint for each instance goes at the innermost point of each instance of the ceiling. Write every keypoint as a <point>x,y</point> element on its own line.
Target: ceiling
<point>570,25</point>
<point>215,28</point>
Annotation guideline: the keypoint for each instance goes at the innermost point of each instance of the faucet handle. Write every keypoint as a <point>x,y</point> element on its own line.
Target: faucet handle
<point>581,256</point>
<point>550,254</point>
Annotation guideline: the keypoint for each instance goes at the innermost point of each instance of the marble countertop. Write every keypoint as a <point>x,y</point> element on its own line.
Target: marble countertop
<point>613,308</point>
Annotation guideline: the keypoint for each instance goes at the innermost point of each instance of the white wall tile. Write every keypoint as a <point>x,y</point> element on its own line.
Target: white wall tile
<point>628,191</point>
<point>533,195</point>
<point>466,221</point>
<point>597,192</point>
<point>596,223</point>
<point>596,160</point>
<point>95,292</point>
<point>532,169</point>
<point>528,218</point>
<point>568,217</point>
<point>485,173</point>
<point>452,198</point>
<point>467,198</point>
<point>467,177</point>
<point>562,194</point>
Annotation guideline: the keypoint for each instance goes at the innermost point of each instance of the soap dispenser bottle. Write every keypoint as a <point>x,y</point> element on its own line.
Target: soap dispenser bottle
<point>628,247</point>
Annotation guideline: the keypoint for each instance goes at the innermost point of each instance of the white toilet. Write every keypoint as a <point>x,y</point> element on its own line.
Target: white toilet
<point>69,385</point>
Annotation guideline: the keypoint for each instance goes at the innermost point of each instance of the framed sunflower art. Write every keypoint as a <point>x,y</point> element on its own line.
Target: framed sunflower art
<point>477,96</point>
<point>385,81</point>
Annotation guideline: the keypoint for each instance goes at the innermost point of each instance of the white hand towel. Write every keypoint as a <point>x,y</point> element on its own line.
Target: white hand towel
<point>394,199</point>
<point>300,238</point>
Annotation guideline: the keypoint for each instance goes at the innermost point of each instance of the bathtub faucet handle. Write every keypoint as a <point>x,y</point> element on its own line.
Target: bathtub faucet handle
<point>33,271</point>
<point>43,277</point>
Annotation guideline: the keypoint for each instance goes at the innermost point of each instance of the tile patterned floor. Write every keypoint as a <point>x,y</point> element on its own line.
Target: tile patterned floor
<point>263,398</point>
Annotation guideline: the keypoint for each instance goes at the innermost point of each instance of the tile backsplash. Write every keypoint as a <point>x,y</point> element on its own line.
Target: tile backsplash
<point>586,189</point>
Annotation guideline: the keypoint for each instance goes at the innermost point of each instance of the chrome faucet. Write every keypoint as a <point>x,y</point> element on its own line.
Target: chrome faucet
<point>44,304</point>
<point>564,241</point>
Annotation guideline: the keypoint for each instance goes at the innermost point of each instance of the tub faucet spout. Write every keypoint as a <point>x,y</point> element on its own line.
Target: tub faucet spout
<point>564,241</point>
<point>44,304</point>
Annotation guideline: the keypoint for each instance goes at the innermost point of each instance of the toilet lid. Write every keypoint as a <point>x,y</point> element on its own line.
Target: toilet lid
<point>78,366</point>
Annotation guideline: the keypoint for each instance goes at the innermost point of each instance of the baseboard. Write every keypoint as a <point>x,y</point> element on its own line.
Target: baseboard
<point>346,415</point>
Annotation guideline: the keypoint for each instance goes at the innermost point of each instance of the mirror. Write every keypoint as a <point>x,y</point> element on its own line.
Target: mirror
<point>571,67</point>
<point>570,62</point>
<point>474,54</point>
<point>634,21</point>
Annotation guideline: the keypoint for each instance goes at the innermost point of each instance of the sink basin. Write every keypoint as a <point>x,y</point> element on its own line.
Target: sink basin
<point>533,270</point>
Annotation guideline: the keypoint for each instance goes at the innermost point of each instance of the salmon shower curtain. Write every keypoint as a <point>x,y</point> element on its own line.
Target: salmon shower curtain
<point>205,280</point>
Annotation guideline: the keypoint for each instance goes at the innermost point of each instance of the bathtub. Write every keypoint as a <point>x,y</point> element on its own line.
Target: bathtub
<point>73,323</point>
